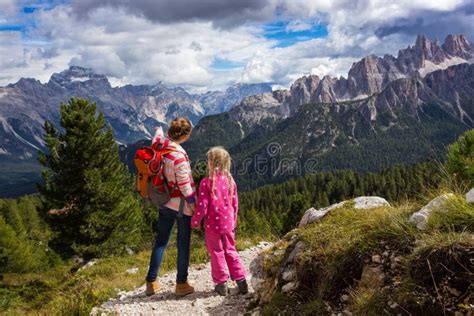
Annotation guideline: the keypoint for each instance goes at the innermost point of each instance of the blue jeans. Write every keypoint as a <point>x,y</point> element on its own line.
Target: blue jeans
<point>165,224</point>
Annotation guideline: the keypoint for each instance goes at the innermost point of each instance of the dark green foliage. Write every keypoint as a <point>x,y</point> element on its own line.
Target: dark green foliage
<point>330,137</point>
<point>460,159</point>
<point>87,183</point>
<point>282,205</point>
<point>24,237</point>
<point>298,205</point>
<point>212,131</point>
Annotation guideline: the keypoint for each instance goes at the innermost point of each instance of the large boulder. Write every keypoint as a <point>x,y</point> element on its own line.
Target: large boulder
<point>438,204</point>
<point>363,202</point>
<point>470,196</point>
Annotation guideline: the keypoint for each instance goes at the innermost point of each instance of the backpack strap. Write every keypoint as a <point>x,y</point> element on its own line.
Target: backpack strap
<point>175,187</point>
<point>181,207</point>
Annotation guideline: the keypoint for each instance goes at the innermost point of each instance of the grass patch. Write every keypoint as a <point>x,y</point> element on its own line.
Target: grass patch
<point>61,291</point>
<point>367,301</point>
<point>346,228</point>
<point>279,305</point>
<point>422,272</point>
<point>458,215</point>
<point>338,245</point>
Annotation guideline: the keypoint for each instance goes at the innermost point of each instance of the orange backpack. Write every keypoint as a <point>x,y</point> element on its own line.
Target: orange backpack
<point>150,165</point>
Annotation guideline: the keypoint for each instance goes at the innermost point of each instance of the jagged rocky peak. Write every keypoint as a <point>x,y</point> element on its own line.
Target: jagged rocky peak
<point>458,45</point>
<point>325,92</point>
<point>367,76</point>
<point>25,83</point>
<point>77,74</point>
<point>303,88</point>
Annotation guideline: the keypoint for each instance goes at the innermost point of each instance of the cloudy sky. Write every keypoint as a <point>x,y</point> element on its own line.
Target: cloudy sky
<point>209,44</point>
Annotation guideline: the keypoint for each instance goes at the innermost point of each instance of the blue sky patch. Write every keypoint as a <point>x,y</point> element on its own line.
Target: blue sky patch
<point>28,9</point>
<point>11,28</point>
<point>221,64</point>
<point>287,35</point>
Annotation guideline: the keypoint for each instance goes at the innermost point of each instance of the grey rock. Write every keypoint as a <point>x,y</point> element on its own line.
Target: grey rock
<point>312,215</point>
<point>88,264</point>
<point>470,196</point>
<point>420,218</point>
<point>289,287</point>
<point>376,259</point>
<point>129,251</point>
<point>132,271</point>
<point>258,275</point>
<point>297,250</point>
<point>289,274</point>
<point>367,202</point>
<point>363,202</point>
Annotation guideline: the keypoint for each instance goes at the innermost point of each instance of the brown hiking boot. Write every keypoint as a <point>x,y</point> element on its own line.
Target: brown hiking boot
<point>152,288</point>
<point>183,289</point>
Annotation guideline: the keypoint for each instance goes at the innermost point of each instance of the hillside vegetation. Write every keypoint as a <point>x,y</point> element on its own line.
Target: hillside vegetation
<point>375,261</point>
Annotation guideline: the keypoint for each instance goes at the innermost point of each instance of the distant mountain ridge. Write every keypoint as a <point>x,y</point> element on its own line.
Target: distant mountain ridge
<point>366,77</point>
<point>132,110</point>
<point>405,120</point>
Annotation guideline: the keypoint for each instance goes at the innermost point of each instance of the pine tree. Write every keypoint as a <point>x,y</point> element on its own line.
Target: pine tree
<point>95,212</point>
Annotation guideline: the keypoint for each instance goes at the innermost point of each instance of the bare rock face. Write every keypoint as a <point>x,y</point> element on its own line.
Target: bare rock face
<point>426,73</point>
<point>255,108</point>
<point>263,284</point>
<point>303,89</point>
<point>438,204</point>
<point>367,76</point>
<point>363,202</point>
<point>458,45</point>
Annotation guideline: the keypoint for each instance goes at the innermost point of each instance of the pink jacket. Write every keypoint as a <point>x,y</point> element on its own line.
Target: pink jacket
<point>177,171</point>
<point>219,213</point>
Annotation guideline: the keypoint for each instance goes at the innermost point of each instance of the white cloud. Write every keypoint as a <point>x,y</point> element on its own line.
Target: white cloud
<point>131,47</point>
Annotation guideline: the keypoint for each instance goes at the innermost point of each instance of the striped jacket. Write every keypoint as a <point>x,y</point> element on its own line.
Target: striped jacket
<point>177,171</point>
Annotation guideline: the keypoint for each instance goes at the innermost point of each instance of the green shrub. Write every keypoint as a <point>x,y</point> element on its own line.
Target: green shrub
<point>460,159</point>
<point>458,216</point>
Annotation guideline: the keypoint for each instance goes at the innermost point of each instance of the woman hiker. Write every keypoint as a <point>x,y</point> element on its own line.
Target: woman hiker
<point>177,171</point>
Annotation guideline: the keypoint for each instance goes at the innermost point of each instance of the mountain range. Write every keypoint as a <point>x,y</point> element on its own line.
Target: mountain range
<point>387,111</point>
<point>132,111</point>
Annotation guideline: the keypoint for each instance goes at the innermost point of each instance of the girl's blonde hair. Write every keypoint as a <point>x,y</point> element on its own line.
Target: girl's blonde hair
<point>219,161</point>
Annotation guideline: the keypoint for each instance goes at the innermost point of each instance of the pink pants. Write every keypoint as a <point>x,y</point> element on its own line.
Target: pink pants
<point>221,248</point>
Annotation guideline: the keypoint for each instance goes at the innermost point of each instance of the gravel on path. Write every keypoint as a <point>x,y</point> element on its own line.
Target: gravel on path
<point>203,302</point>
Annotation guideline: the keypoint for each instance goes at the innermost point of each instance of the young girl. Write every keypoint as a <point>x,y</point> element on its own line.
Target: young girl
<point>218,206</point>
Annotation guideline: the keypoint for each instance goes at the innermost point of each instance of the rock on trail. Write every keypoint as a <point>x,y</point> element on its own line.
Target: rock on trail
<point>203,302</point>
